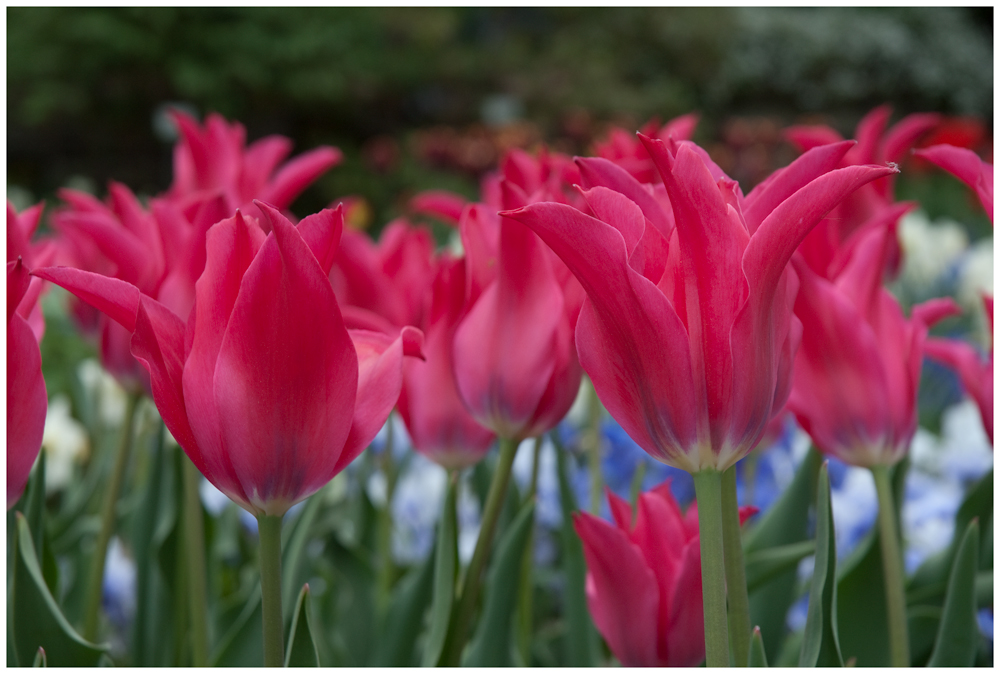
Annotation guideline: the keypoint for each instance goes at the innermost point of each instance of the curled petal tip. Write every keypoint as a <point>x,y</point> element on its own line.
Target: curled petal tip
<point>413,342</point>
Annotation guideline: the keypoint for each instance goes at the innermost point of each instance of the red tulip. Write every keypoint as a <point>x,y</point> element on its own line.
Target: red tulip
<point>26,397</point>
<point>214,159</point>
<point>870,207</point>
<point>21,228</point>
<point>967,167</point>
<point>858,368</point>
<point>644,580</point>
<point>687,331</point>
<point>975,371</point>
<point>264,387</point>
<point>430,405</point>
<point>515,361</point>
<point>625,150</point>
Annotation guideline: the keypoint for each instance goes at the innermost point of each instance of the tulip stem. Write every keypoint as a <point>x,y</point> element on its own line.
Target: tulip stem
<point>592,438</point>
<point>194,549</point>
<point>526,589</point>
<point>708,491</point>
<point>892,569</point>
<point>458,629</point>
<point>95,583</point>
<point>269,529</point>
<point>736,579</point>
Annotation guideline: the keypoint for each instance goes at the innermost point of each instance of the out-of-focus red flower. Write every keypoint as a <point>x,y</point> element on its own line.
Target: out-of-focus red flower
<point>430,405</point>
<point>872,206</point>
<point>974,369</point>
<point>644,580</point>
<point>264,387</point>
<point>214,158</point>
<point>624,149</point>
<point>687,331</point>
<point>26,398</point>
<point>858,367</point>
<point>967,167</point>
<point>21,228</point>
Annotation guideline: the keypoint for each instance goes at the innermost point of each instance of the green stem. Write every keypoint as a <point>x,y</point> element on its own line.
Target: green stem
<point>458,630</point>
<point>95,582</point>
<point>593,448</point>
<point>708,491</point>
<point>526,590</point>
<point>736,579</point>
<point>269,529</point>
<point>892,569</point>
<point>386,570</point>
<point>194,547</point>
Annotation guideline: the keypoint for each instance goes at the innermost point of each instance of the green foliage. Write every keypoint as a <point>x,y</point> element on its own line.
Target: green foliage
<point>301,650</point>
<point>958,632</point>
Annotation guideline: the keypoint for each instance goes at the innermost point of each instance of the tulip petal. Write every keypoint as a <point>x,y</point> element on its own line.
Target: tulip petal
<point>975,372</point>
<point>446,206</point>
<point>321,232</point>
<point>905,133</point>
<point>26,403</point>
<point>806,138</point>
<point>596,171</point>
<point>683,632</point>
<point>117,299</point>
<point>298,174</point>
<point>260,160</point>
<point>629,339</point>
<point>286,376</point>
<point>380,379</point>
<point>621,592</point>
<point>966,166</point>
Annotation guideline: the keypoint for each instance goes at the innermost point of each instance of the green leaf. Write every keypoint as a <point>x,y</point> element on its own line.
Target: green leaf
<point>758,658</point>
<point>820,646</point>
<point>958,633</point>
<point>764,565</point>
<point>36,617</point>
<point>293,573</point>
<point>922,626</point>
<point>445,566</point>
<point>353,597</point>
<point>581,640</point>
<point>862,621</point>
<point>785,523</point>
<point>491,645</point>
<point>406,612</point>
<point>40,659</point>
<point>301,650</point>
<point>241,645</point>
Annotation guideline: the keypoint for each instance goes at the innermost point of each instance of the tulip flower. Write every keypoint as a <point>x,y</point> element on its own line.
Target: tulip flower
<point>871,207</point>
<point>21,228</point>
<point>687,331</point>
<point>213,159</point>
<point>625,150</point>
<point>855,390</point>
<point>26,397</point>
<point>644,579</point>
<point>975,370</point>
<point>430,405</point>
<point>967,167</point>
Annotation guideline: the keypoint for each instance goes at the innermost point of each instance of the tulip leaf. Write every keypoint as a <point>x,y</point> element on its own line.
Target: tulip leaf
<point>581,640</point>
<point>301,650</point>
<point>922,626</point>
<point>785,523</point>
<point>41,660</point>
<point>758,658</point>
<point>763,565</point>
<point>37,621</point>
<point>405,616</point>
<point>354,617</point>
<point>294,542</point>
<point>958,632</point>
<point>241,646</point>
<point>862,620</point>
<point>491,645</point>
<point>445,569</point>
<point>820,646</point>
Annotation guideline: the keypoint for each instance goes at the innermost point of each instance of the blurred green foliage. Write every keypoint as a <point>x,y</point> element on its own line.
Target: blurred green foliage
<point>84,84</point>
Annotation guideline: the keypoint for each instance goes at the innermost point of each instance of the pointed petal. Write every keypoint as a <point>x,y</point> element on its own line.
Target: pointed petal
<point>806,138</point>
<point>905,134</point>
<point>975,372</point>
<point>26,402</point>
<point>321,232</point>
<point>442,204</point>
<point>684,629</point>
<point>967,167</point>
<point>286,375</point>
<point>480,232</point>
<point>298,174</point>
<point>260,160</point>
<point>621,511</point>
<point>629,339</point>
<point>117,299</point>
<point>596,171</point>
<point>621,592</point>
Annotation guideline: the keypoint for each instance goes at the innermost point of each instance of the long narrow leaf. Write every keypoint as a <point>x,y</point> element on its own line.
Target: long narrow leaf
<point>301,651</point>
<point>820,646</point>
<point>958,633</point>
<point>445,566</point>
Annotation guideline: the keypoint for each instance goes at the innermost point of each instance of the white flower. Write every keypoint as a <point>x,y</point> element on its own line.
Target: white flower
<point>930,249</point>
<point>110,398</point>
<point>65,443</point>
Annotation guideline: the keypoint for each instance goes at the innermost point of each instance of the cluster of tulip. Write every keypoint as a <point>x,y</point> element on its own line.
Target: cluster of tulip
<point>275,350</point>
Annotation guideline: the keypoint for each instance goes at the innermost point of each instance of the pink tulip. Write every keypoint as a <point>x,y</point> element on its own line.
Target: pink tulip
<point>858,368</point>
<point>644,580</point>
<point>264,387</point>
<point>26,397</point>
<point>975,370</point>
<point>391,278</point>
<point>213,158</point>
<point>430,405</point>
<point>967,167</point>
<point>687,331</point>
<point>872,206</point>
<point>21,229</point>
<point>625,150</point>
